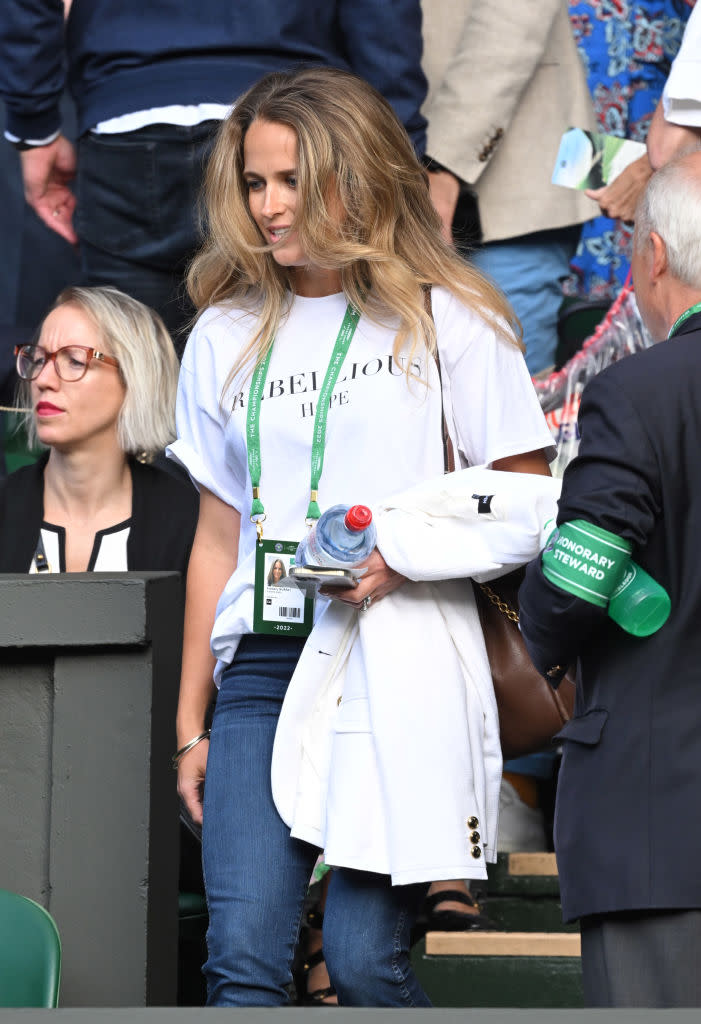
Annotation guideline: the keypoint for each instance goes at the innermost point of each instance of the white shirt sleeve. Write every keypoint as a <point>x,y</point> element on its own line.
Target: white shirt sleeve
<point>494,407</point>
<point>201,446</point>
<point>682,92</point>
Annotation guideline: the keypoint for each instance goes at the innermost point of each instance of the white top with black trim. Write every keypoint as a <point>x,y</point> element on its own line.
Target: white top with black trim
<point>109,551</point>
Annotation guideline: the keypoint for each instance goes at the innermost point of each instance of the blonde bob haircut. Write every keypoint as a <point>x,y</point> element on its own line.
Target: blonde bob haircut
<point>388,246</point>
<point>138,339</point>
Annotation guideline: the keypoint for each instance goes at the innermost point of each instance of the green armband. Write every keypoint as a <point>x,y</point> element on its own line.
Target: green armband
<point>586,561</point>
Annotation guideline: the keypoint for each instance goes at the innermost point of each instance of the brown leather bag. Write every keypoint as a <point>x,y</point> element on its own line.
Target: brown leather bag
<point>531,712</point>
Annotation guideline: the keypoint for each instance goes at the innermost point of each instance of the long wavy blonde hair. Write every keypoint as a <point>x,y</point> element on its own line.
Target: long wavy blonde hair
<point>388,247</point>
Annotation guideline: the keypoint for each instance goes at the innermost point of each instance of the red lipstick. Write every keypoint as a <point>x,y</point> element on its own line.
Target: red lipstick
<point>47,409</point>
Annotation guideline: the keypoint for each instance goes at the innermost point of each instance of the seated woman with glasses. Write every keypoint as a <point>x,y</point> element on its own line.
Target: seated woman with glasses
<point>99,389</point>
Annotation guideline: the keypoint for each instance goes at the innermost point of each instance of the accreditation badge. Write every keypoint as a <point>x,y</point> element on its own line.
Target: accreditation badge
<point>280,608</point>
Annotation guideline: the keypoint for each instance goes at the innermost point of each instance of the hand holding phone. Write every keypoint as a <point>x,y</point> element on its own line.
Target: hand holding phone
<point>320,575</point>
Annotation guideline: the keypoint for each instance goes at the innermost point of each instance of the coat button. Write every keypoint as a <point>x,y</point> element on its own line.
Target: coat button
<point>338,702</point>
<point>476,852</point>
<point>473,822</point>
<point>475,837</point>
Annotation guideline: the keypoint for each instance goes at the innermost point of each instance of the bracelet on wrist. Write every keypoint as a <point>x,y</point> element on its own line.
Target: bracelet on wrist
<point>179,754</point>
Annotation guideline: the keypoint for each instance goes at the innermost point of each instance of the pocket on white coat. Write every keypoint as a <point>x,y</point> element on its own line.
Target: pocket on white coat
<point>353,715</point>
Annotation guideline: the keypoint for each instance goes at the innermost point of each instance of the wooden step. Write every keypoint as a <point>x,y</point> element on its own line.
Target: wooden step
<point>519,864</point>
<point>500,969</point>
<point>524,874</point>
<point>502,944</point>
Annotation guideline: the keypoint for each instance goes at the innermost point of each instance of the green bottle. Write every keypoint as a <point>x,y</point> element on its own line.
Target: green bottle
<point>595,564</point>
<point>639,604</point>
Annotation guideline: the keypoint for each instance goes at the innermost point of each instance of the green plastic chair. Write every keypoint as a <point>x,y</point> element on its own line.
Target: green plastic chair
<point>30,954</point>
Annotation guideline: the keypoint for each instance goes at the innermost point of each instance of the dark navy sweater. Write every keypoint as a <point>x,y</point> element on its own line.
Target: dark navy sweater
<point>136,54</point>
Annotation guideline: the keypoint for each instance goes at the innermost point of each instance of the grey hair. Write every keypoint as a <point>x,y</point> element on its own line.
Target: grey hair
<point>671,207</point>
<point>138,339</point>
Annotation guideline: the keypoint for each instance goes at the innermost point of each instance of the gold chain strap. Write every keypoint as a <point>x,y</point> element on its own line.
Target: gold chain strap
<point>506,609</point>
<point>503,606</point>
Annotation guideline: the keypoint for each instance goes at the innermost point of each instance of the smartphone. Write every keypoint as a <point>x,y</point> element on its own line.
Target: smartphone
<point>324,577</point>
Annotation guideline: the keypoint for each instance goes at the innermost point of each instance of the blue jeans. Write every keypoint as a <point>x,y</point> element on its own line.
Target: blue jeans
<point>137,214</point>
<point>256,875</point>
<point>529,270</point>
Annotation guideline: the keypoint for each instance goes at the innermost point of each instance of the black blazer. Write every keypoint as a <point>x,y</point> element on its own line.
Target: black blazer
<point>164,518</point>
<point>627,823</point>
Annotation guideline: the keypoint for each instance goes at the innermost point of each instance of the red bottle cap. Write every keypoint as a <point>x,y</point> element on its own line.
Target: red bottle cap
<point>358,517</point>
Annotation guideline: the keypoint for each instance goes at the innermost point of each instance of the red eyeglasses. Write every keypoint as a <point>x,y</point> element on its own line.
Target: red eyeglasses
<point>71,361</point>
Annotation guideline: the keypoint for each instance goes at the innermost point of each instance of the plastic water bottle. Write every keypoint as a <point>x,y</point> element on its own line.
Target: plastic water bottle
<point>342,537</point>
<point>639,604</point>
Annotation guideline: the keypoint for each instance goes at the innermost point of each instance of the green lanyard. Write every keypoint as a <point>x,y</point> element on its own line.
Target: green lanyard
<point>696,308</point>
<point>255,397</point>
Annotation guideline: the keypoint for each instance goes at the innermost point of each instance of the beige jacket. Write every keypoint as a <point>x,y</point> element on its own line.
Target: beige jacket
<point>505,81</point>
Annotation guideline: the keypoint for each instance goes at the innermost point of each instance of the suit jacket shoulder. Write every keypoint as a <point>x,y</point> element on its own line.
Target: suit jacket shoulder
<point>639,374</point>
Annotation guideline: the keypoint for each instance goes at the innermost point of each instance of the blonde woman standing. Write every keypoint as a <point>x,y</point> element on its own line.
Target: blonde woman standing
<point>311,379</point>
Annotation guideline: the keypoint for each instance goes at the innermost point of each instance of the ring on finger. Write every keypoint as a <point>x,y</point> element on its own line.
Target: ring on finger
<point>367,601</point>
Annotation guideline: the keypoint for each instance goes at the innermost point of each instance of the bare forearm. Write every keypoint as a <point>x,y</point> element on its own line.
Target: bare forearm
<point>666,140</point>
<point>527,462</point>
<point>212,562</point>
<point>197,682</point>
<point>445,192</point>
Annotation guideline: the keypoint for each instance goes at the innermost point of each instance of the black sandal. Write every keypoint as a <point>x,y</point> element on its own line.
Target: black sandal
<point>315,920</point>
<point>454,920</point>
<point>432,920</point>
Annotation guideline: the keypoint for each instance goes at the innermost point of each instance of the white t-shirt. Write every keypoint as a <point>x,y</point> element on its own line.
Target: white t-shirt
<point>383,433</point>
<point>682,92</point>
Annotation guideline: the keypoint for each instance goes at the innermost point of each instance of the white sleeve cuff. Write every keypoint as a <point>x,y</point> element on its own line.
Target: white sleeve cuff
<point>33,142</point>
<point>681,98</point>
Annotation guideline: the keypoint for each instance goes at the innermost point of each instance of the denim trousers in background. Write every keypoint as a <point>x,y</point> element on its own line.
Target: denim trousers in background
<point>137,216</point>
<point>256,875</point>
<point>530,270</point>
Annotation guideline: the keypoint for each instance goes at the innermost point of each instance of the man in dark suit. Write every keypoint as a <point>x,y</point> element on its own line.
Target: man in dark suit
<point>627,826</point>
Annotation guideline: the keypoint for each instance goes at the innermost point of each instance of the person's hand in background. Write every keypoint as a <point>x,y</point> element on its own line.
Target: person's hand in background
<point>620,198</point>
<point>47,172</point>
